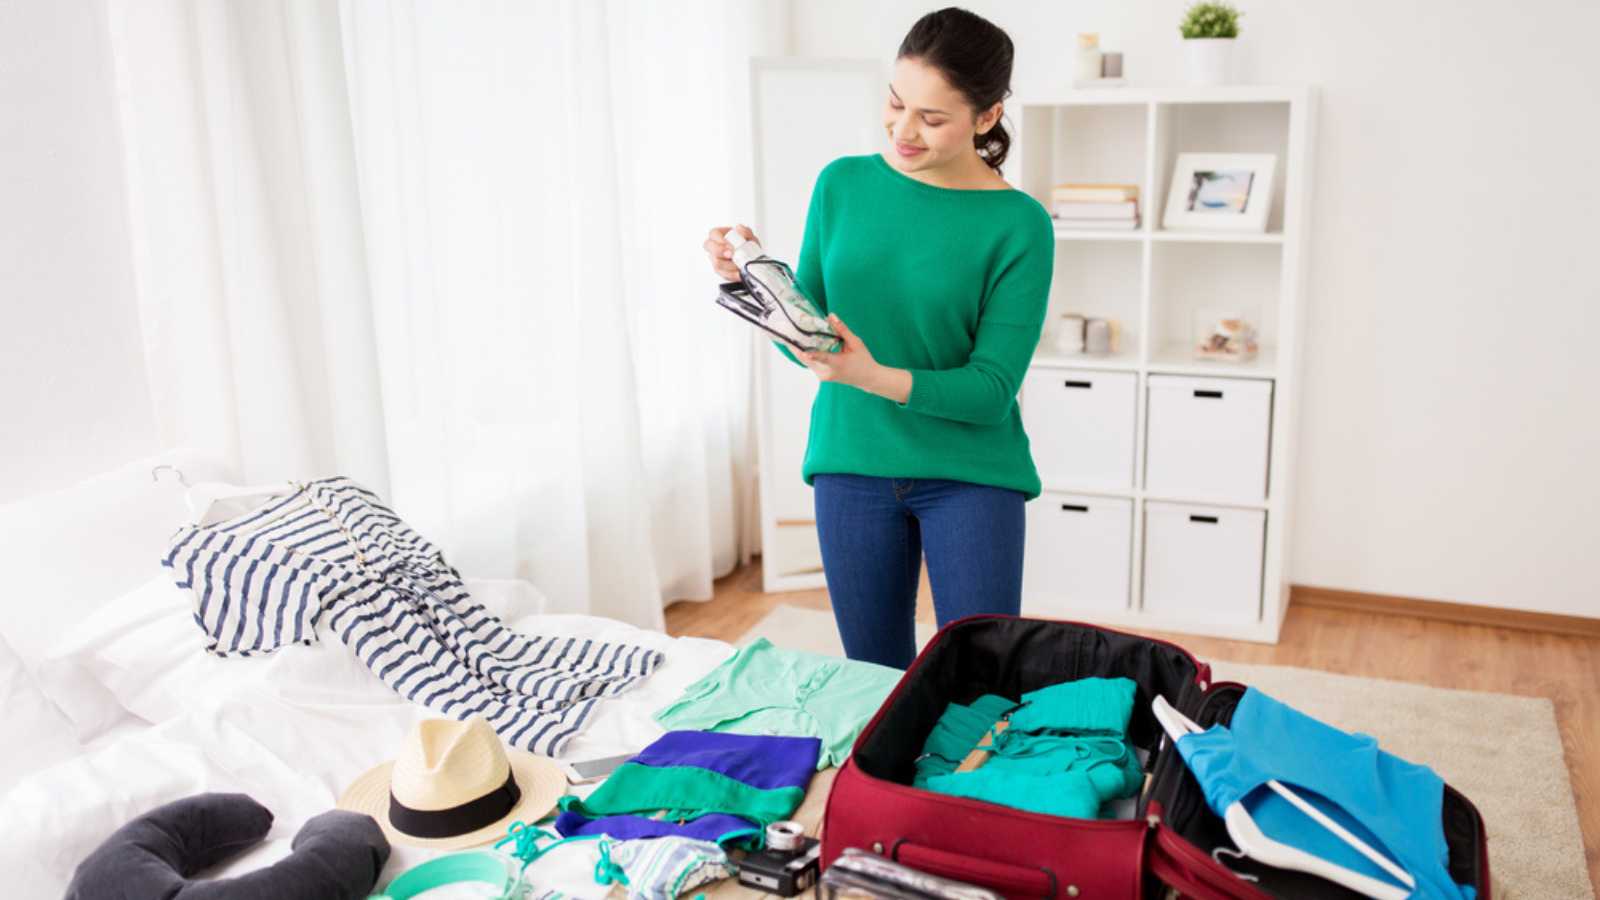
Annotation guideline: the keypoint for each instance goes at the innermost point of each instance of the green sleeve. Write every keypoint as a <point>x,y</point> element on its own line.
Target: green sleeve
<point>809,270</point>
<point>982,391</point>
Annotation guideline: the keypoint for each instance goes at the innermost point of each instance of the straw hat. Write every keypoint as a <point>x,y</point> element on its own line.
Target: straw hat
<point>454,785</point>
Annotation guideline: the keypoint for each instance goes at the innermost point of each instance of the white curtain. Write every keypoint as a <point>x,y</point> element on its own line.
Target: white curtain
<point>452,250</point>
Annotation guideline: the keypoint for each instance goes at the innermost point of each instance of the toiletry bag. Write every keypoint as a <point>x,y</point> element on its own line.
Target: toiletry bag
<point>1165,851</point>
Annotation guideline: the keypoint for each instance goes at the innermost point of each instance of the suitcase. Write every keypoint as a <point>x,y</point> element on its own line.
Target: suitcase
<point>1165,851</point>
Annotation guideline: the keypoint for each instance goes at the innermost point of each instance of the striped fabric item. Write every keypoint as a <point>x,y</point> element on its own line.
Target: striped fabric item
<point>665,867</point>
<point>331,552</point>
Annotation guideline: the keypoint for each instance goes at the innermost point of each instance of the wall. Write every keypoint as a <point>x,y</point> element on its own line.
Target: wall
<point>1450,433</point>
<point>75,399</point>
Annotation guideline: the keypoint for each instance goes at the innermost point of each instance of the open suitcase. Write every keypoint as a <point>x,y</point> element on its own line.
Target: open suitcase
<point>1164,851</point>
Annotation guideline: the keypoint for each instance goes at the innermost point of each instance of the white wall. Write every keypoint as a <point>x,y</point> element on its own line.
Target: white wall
<point>74,399</point>
<point>1451,437</point>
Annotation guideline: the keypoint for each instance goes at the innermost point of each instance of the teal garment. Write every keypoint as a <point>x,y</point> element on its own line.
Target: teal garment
<point>764,689</point>
<point>1064,751</point>
<point>957,733</point>
<point>683,793</point>
<point>949,284</point>
<point>1084,706</point>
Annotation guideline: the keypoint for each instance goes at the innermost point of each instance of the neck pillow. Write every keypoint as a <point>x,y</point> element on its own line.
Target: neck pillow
<point>336,855</point>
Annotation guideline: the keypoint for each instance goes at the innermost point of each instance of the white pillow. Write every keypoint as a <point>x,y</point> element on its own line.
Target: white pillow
<point>132,648</point>
<point>37,734</point>
<point>69,552</point>
<point>144,655</point>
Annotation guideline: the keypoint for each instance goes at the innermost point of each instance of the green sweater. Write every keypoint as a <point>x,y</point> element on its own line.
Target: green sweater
<point>949,283</point>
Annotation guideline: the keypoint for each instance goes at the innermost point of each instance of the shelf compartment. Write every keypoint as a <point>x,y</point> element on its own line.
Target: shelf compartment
<point>1187,277</point>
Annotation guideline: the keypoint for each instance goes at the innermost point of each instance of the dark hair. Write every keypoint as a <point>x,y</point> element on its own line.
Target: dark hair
<point>974,55</point>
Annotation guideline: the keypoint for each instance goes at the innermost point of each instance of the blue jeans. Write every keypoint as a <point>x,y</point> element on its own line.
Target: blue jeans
<point>873,532</point>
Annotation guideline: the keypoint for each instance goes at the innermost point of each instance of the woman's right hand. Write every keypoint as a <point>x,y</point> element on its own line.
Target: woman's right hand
<point>721,252</point>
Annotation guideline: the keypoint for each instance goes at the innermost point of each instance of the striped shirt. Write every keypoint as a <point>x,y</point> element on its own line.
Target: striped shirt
<point>331,552</point>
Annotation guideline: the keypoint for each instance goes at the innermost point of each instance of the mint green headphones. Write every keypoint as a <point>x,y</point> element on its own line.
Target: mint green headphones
<point>485,867</point>
<point>476,866</point>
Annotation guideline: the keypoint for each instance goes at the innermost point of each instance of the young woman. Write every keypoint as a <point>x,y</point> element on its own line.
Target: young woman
<point>926,255</point>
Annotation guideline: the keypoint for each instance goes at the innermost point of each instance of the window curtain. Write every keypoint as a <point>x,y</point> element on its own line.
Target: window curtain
<point>453,251</point>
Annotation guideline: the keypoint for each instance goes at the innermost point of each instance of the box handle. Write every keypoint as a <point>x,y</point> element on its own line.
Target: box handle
<point>1216,395</point>
<point>1073,507</point>
<point>1010,880</point>
<point>1209,520</point>
<point>1079,384</point>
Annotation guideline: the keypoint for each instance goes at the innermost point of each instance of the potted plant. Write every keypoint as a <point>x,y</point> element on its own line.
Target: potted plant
<point>1209,30</point>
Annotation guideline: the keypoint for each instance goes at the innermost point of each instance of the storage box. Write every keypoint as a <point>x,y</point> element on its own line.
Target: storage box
<point>1203,563</point>
<point>1080,426</point>
<point>1207,438</point>
<point>1078,555</point>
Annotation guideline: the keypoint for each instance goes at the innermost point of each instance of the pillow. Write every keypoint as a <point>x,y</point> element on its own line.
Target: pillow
<point>143,655</point>
<point>38,733</point>
<point>69,552</point>
<point>99,670</point>
<point>337,854</point>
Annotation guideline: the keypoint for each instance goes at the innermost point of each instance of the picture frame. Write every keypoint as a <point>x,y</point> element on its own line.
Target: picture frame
<point>1220,192</point>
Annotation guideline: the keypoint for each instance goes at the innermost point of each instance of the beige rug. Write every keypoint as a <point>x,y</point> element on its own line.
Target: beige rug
<point>1503,752</point>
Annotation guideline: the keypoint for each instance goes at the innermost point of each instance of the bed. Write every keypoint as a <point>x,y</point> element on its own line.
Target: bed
<point>112,708</point>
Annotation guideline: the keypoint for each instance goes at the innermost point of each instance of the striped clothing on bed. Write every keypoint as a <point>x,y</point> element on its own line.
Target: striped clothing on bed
<point>331,552</point>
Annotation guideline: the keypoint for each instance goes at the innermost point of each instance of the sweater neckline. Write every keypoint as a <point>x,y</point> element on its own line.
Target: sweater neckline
<point>883,164</point>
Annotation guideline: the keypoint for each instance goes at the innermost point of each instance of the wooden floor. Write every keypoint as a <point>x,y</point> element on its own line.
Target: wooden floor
<point>1444,654</point>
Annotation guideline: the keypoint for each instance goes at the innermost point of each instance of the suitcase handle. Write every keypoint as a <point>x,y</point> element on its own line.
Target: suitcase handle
<point>1008,879</point>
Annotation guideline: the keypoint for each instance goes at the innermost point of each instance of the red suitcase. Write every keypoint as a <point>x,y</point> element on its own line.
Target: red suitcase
<point>1164,852</point>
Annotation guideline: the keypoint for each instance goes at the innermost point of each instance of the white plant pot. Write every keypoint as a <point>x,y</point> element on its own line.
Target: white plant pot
<point>1208,61</point>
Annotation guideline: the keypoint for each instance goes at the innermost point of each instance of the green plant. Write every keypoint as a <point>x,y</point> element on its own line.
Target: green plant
<point>1210,20</point>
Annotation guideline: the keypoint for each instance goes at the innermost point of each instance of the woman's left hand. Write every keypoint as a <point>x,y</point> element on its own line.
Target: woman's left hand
<point>853,364</point>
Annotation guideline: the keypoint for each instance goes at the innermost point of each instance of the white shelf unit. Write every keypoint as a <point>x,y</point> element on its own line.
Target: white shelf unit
<point>1152,280</point>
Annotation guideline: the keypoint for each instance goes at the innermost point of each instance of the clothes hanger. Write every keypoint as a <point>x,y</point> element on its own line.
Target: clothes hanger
<point>203,499</point>
<point>1257,845</point>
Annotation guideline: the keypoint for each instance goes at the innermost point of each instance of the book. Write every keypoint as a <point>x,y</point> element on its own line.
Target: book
<point>1094,193</point>
<point>1097,224</point>
<point>1127,210</point>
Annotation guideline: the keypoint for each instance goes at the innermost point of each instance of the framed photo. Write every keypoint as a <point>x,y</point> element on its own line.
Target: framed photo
<point>1220,192</point>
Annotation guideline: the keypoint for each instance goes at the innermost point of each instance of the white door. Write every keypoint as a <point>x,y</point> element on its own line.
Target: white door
<point>805,113</point>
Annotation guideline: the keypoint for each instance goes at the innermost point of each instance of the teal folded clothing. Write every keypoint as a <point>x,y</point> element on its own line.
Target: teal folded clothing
<point>1055,795</point>
<point>1064,750</point>
<point>1084,706</point>
<point>958,731</point>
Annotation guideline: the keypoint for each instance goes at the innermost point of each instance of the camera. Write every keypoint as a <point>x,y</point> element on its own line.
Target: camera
<point>782,872</point>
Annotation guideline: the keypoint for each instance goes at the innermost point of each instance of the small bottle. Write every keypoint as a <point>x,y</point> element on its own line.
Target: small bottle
<point>788,310</point>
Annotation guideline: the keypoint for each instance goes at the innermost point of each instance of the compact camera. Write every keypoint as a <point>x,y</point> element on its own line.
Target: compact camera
<point>782,872</point>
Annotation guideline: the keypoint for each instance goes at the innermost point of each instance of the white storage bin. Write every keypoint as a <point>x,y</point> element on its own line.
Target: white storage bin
<point>1207,438</point>
<point>1080,426</point>
<point>1203,563</point>
<point>1078,554</point>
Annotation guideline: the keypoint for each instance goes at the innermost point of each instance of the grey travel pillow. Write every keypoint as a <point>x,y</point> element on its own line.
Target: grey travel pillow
<point>337,854</point>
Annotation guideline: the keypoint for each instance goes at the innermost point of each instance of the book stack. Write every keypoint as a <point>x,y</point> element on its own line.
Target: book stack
<point>1096,207</point>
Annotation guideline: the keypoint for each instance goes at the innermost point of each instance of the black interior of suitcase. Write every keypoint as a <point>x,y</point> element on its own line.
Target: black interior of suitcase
<point>1009,657</point>
<point>1175,787</point>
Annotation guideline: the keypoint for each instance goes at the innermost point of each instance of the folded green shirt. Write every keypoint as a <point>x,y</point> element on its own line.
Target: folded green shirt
<point>764,689</point>
<point>683,793</point>
<point>1064,751</point>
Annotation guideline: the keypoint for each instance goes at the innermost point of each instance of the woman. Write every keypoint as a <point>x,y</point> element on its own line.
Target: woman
<point>927,256</point>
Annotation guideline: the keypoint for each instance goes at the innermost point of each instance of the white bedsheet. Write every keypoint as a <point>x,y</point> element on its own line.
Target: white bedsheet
<point>291,730</point>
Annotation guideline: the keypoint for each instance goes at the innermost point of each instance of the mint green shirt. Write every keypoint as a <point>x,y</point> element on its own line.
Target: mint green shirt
<point>951,284</point>
<point>764,689</point>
